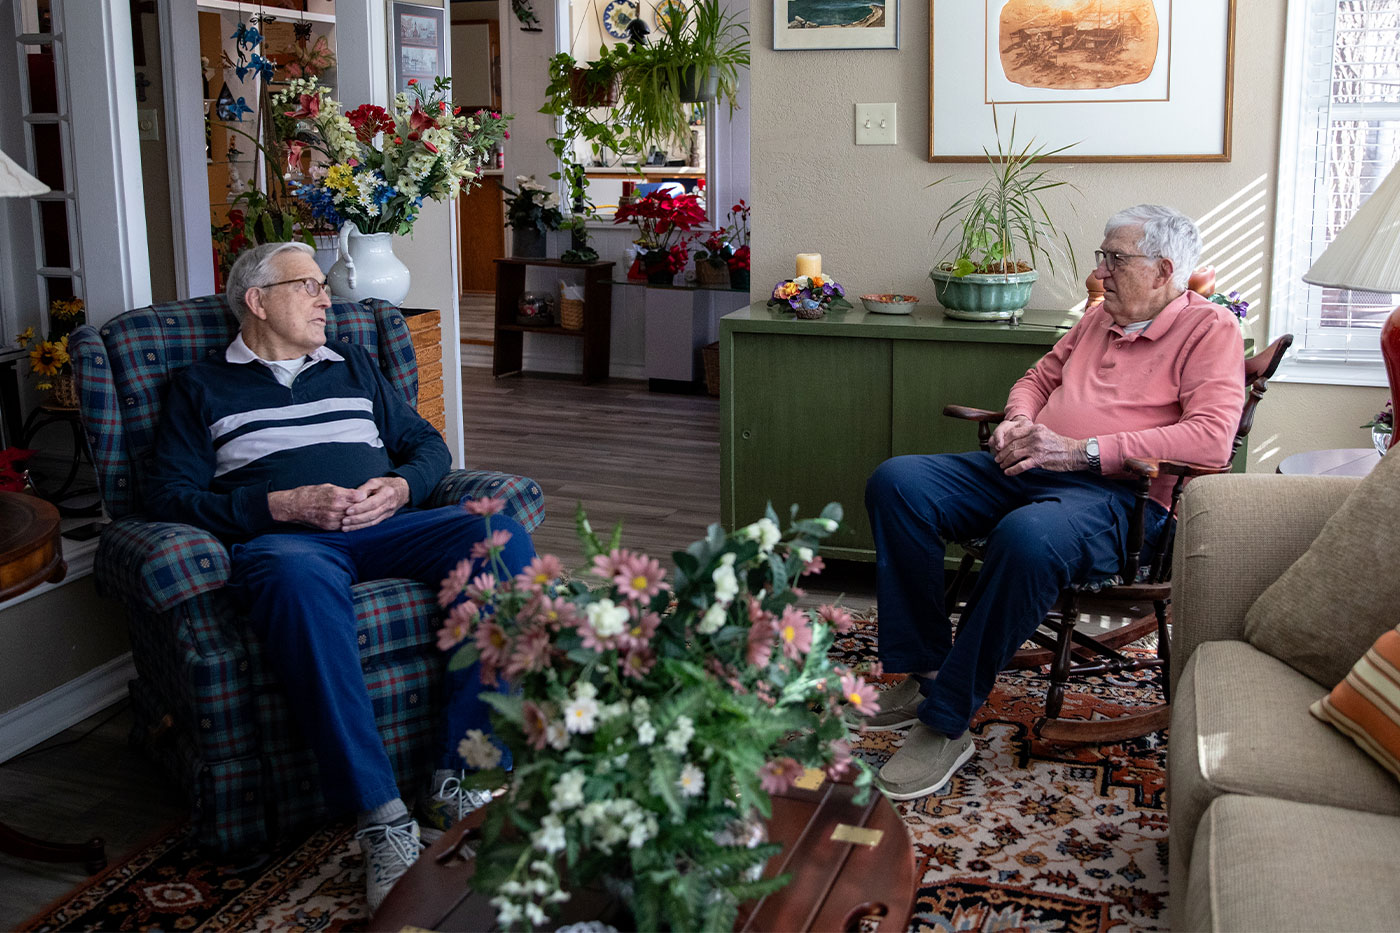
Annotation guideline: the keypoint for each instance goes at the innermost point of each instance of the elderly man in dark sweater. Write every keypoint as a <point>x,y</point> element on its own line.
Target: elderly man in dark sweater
<point>311,465</point>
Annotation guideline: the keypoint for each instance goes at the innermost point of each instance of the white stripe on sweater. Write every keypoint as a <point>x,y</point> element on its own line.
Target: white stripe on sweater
<point>287,412</point>
<point>255,445</point>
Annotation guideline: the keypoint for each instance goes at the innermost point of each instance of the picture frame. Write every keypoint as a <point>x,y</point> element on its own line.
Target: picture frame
<point>876,29</point>
<point>417,44</point>
<point>1125,81</point>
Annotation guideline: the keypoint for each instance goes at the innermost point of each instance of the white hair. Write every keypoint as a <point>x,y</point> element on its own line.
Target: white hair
<point>1166,233</point>
<point>253,269</point>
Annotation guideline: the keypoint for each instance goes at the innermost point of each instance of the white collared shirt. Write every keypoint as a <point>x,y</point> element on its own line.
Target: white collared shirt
<point>285,371</point>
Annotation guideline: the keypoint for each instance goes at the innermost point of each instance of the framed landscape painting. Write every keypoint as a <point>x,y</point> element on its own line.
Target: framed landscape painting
<point>417,44</point>
<point>1117,80</point>
<point>836,24</point>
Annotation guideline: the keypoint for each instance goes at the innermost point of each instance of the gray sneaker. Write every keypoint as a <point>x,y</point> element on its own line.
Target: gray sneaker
<point>924,763</point>
<point>899,706</point>
<point>390,850</point>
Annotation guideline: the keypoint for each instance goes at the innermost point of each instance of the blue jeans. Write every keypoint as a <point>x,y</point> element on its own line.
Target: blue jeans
<point>1044,531</point>
<point>295,589</point>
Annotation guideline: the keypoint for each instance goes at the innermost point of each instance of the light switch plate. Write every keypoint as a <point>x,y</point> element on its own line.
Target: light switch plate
<point>875,125</point>
<point>147,126</point>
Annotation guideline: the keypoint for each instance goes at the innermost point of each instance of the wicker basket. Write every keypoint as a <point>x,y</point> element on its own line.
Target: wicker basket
<point>570,311</point>
<point>65,390</point>
<point>710,353</point>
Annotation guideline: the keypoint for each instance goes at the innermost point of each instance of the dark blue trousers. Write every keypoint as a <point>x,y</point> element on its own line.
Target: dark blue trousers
<point>1044,530</point>
<point>295,589</point>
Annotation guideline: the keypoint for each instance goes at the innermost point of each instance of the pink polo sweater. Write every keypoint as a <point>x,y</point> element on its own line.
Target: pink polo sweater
<point>1174,390</point>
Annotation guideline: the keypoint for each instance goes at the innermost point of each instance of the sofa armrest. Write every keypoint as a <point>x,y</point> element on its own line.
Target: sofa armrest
<point>158,564</point>
<point>1235,535</point>
<point>524,498</point>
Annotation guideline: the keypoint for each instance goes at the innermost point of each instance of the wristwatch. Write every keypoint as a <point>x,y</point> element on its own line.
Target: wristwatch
<point>1091,450</point>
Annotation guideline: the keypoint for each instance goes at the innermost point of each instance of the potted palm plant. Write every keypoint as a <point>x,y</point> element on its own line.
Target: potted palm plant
<point>1003,229</point>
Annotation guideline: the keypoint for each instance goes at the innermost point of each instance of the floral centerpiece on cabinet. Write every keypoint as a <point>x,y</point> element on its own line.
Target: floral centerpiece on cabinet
<point>663,219</point>
<point>654,713</point>
<point>48,358</point>
<point>809,296</point>
<point>382,166</point>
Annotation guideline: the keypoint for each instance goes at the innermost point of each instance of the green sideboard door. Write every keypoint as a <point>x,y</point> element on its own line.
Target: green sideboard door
<point>810,408</point>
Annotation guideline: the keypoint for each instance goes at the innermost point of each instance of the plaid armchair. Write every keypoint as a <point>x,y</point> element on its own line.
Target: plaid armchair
<point>205,703</point>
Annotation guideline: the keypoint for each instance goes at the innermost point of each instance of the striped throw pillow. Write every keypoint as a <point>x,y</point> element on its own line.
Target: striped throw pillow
<point>1366,704</point>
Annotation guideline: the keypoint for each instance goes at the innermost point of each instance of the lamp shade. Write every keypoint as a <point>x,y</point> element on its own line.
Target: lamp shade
<point>1365,256</point>
<point>15,182</point>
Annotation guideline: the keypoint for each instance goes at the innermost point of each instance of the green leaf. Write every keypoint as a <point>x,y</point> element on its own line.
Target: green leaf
<point>464,657</point>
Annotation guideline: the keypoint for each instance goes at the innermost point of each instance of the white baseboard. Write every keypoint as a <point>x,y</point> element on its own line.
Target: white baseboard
<point>44,717</point>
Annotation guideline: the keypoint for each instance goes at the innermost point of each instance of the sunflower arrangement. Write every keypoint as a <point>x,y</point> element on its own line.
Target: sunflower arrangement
<point>48,358</point>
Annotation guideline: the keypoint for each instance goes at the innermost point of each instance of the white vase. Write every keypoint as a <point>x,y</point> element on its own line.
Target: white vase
<point>368,268</point>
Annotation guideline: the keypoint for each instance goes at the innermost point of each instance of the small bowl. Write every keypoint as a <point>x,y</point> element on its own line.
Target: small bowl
<point>889,304</point>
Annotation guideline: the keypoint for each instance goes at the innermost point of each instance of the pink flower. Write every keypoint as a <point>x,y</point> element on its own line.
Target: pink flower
<point>639,633</point>
<point>841,762</point>
<point>837,618</point>
<point>863,697</point>
<point>637,662</point>
<point>483,587</point>
<point>493,645</point>
<point>540,572</point>
<point>815,565</point>
<point>531,652</point>
<point>639,577</point>
<point>536,725</point>
<point>453,583</point>
<point>457,625</point>
<point>761,640</point>
<point>308,105</point>
<point>778,775</point>
<point>491,546</point>
<point>593,641</point>
<point>555,612</point>
<point>794,633</point>
<point>610,565</point>
<point>486,505</point>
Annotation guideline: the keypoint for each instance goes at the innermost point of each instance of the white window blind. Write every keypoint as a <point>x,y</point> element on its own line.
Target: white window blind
<point>1340,137</point>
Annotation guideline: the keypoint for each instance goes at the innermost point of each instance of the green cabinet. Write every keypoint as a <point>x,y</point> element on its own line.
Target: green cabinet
<point>810,408</point>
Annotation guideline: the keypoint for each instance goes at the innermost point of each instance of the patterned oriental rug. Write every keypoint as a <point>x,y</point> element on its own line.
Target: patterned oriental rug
<point>1026,837</point>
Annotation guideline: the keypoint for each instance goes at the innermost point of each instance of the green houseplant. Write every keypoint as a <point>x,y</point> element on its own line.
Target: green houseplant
<point>1003,229</point>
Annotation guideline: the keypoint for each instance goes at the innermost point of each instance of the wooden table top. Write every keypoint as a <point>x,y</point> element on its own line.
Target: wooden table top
<point>30,548</point>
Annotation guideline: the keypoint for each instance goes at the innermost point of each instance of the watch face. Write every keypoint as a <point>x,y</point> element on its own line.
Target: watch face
<point>617,15</point>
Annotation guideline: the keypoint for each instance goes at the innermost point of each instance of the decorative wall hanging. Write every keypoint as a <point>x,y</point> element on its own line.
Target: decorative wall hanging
<point>525,13</point>
<point>616,16</point>
<point>1122,80</point>
<point>417,47</point>
<point>835,24</point>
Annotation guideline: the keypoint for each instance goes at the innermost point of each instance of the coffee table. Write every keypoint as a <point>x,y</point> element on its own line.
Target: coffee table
<point>847,861</point>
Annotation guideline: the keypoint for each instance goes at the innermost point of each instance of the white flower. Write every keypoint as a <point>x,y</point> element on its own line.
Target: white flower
<point>522,180</point>
<point>512,889</point>
<point>827,523</point>
<point>557,736</point>
<point>640,707</point>
<point>585,690</point>
<point>765,533</point>
<point>606,618</point>
<point>535,914</point>
<point>581,715</point>
<point>478,751</point>
<point>691,781</point>
<point>726,584</point>
<point>507,914</point>
<point>568,791</point>
<point>713,620</point>
<point>679,736</point>
<point>646,733</point>
<point>550,836</point>
<point>805,555</point>
<point>613,710</point>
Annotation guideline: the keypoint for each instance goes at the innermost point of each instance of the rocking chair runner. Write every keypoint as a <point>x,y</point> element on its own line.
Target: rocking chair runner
<point>1071,652</point>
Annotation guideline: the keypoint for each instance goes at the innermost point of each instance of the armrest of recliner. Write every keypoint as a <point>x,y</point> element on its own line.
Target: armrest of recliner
<point>1236,534</point>
<point>158,564</point>
<point>524,498</point>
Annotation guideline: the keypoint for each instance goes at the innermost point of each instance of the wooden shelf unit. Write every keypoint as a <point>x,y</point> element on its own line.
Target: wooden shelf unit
<point>596,332</point>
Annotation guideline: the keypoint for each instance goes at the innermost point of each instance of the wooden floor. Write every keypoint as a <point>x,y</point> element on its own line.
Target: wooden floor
<point>648,459</point>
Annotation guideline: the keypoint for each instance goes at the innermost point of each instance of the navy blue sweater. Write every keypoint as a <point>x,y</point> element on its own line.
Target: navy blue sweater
<point>231,433</point>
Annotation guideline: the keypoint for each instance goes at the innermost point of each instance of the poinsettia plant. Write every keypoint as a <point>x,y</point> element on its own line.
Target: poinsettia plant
<point>13,477</point>
<point>651,712</point>
<point>663,219</point>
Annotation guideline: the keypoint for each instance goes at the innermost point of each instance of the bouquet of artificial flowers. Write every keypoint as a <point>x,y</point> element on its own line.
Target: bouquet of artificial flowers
<point>1233,302</point>
<point>383,166</point>
<point>810,296</point>
<point>654,711</point>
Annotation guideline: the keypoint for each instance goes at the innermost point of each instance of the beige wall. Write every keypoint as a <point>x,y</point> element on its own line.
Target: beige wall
<point>53,638</point>
<point>867,210</point>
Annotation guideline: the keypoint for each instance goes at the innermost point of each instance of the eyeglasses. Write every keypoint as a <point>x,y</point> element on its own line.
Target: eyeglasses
<point>312,286</point>
<point>1110,260</point>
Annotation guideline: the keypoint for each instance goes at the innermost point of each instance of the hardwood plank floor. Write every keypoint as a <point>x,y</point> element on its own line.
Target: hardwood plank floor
<point>648,459</point>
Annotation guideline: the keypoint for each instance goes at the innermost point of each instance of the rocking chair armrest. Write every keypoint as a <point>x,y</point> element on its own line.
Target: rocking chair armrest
<point>1153,467</point>
<point>981,415</point>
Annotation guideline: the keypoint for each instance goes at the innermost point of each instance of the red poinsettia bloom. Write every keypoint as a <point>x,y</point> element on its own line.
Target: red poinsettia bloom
<point>661,217</point>
<point>740,259</point>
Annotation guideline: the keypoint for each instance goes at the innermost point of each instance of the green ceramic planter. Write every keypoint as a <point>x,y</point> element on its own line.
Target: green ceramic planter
<point>983,297</point>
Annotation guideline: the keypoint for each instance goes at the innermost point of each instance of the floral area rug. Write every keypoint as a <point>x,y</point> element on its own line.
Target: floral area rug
<point>1031,837</point>
<point>1026,837</point>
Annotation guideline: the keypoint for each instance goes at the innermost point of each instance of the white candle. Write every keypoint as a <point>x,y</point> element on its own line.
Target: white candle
<point>809,264</point>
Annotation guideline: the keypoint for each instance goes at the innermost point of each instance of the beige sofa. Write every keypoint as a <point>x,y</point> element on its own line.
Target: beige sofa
<point>1277,820</point>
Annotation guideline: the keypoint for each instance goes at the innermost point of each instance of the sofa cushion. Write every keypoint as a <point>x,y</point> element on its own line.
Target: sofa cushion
<point>1240,725</point>
<point>1322,614</point>
<point>1266,864</point>
<point>1366,705</point>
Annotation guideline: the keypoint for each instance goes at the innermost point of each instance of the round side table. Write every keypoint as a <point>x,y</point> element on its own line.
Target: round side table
<point>1351,461</point>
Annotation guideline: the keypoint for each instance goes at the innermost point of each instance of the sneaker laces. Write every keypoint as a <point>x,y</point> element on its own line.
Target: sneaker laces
<point>465,799</point>
<point>391,849</point>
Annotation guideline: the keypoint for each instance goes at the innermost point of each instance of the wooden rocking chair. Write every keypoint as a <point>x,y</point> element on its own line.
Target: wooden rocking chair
<point>1072,652</point>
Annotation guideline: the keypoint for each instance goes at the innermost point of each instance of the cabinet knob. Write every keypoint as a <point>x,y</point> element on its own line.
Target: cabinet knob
<point>745,435</point>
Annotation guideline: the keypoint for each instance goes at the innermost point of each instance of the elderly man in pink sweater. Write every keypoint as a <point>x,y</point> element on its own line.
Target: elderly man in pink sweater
<point>1155,371</point>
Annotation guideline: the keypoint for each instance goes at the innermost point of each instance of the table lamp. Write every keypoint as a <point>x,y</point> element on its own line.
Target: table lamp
<point>1365,257</point>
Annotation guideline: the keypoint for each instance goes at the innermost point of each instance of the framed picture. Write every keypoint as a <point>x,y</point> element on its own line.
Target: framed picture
<point>1121,80</point>
<point>837,24</point>
<point>418,43</point>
